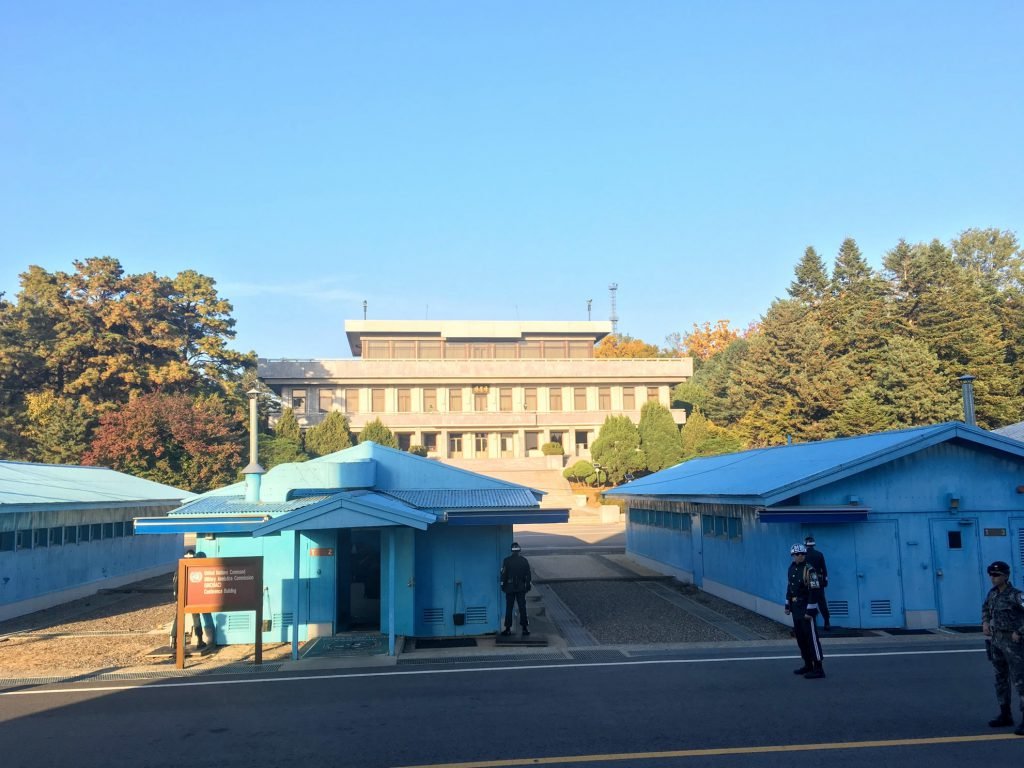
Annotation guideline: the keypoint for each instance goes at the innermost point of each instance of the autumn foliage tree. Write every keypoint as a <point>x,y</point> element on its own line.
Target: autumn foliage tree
<point>171,439</point>
<point>624,346</point>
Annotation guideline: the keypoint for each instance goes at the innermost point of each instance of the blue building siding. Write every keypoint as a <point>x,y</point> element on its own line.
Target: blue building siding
<point>934,517</point>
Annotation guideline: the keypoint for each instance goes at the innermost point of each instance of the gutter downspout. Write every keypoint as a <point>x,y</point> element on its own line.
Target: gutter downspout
<point>298,595</point>
<point>391,592</point>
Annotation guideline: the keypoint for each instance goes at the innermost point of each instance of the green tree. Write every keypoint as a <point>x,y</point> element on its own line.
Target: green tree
<point>689,395</point>
<point>725,402</point>
<point>912,386</point>
<point>617,449</point>
<point>811,283</point>
<point>57,428</point>
<point>287,427</point>
<point>376,432</point>
<point>279,450</point>
<point>330,435</point>
<point>659,437</point>
<point>862,413</point>
<point>701,437</point>
<point>580,472</point>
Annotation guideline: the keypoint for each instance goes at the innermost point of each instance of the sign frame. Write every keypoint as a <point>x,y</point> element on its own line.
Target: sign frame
<point>193,570</point>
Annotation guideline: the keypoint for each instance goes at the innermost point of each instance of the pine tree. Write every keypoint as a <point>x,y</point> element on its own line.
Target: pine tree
<point>376,432</point>
<point>812,283</point>
<point>659,437</point>
<point>912,387</point>
<point>287,427</point>
<point>57,429</point>
<point>330,435</point>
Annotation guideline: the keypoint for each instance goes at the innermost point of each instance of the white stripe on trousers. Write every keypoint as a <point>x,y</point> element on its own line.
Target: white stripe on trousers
<point>815,642</point>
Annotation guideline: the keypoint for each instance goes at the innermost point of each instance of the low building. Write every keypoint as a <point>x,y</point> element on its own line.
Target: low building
<point>66,532</point>
<point>907,520</point>
<point>368,538</point>
<point>477,389</point>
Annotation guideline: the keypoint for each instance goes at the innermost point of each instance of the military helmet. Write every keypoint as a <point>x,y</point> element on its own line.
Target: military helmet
<point>809,541</point>
<point>798,549</point>
<point>516,547</point>
<point>999,568</point>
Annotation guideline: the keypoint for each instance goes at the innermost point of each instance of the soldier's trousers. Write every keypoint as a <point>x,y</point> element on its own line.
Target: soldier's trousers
<point>1008,660</point>
<point>807,636</point>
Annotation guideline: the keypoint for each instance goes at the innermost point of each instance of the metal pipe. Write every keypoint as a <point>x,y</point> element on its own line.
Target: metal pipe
<point>967,387</point>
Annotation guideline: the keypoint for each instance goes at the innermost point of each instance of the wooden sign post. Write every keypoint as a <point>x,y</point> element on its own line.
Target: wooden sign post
<point>223,584</point>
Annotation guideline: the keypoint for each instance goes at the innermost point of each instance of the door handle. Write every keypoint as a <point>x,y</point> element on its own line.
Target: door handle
<point>938,572</point>
<point>860,575</point>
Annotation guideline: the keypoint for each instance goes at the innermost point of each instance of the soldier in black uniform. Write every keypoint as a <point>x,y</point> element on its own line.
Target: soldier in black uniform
<point>516,581</point>
<point>197,623</point>
<point>802,599</point>
<point>1002,621</point>
<point>817,560</point>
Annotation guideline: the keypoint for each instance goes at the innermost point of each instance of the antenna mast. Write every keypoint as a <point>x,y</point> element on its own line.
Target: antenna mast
<point>614,316</point>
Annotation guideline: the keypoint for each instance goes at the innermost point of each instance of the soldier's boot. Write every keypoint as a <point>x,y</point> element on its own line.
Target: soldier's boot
<point>815,673</point>
<point>803,670</point>
<point>1005,717</point>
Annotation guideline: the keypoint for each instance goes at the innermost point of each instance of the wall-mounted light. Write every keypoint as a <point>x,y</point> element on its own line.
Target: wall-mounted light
<point>1020,489</point>
<point>854,500</point>
<point>954,501</point>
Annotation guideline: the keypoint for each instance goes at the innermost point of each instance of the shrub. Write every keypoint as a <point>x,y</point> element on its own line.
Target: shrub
<point>418,450</point>
<point>580,472</point>
<point>552,449</point>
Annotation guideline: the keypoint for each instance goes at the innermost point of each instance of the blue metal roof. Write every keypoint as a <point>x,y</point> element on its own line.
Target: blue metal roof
<point>769,475</point>
<point>237,505</point>
<point>1012,431</point>
<point>349,509</point>
<point>26,484</point>
<point>471,498</point>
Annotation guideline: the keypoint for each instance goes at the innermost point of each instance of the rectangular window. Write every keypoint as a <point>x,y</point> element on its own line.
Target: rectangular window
<point>579,398</point>
<point>376,350</point>
<point>529,349</point>
<point>71,534</point>
<point>554,350</point>
<point>652,394</point>
<point>735,528</point>
<point>430,441</point>
<point>558,437</point>
<point>118,529</point>
<point>454,350</point>
<point>404,441</point>
<point>326,404</point>
<point>604,398</point>
<point>40,537</point>
<point>954,540</point>
<point>455,399</point>
<point>480,443</point>
<point>129,527</point>
<point>24,539</point>
<point>83,532</point>
<point>351,401</point>
<point>95,532</point>
<point>720,527</point>
<point>580,349</point>
<point>555,398</point>
<point>529,398</point>
<point>404,350</point>
<point>431,350</point>
<point>628,399</point>
<point>506,350</point>
<point>506,442</point>
<point>582,439</point>
<point>377,400</point>
<point>707,525</point>
<point>480,351</point>
<point>480,402</point>
<point>430,400</point>
<point>108,530</point>
<point>7,541</point>
<point>532,441</point>
<point>57,537</point>
<point>455,444</point>
<point>505,399</point>
<point>299,400</point>
<point>404,399</point>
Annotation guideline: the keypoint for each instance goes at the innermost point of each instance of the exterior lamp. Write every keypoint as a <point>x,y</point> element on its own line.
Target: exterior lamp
<point>954,502</point>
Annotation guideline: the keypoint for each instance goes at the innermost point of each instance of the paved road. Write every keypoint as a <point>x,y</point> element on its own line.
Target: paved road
<point>921,707</point>
<point>594,537</point>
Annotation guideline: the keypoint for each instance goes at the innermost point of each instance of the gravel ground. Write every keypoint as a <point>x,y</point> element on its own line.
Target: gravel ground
<point>627,613</point>
<point>108,632</point>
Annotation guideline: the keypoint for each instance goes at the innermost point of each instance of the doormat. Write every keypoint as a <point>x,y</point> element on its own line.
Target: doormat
<point>341,646</point>
<point>426,643</point>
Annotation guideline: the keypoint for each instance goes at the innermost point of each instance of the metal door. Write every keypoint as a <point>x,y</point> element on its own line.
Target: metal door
<point>879,580</point>
<point>837,543</point>
<point>957,561</point>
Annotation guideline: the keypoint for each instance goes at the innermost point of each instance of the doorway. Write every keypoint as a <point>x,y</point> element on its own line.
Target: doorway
<point>358,579</point>
<point>957,561</point>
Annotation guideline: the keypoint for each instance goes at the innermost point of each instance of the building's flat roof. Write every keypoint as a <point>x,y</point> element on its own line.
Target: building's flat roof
<point>24,483</point>
<point>475,329</point>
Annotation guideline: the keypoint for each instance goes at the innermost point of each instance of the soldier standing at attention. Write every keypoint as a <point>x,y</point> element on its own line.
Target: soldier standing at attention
<point>802,596</point>
<point>516,581</point>
<point>1002,620</point>
<point>817,560</point>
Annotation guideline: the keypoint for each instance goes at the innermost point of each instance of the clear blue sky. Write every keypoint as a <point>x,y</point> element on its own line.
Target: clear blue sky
<point>495,160</point>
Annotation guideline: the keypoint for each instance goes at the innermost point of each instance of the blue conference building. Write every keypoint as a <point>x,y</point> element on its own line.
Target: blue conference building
<point>907,520</point>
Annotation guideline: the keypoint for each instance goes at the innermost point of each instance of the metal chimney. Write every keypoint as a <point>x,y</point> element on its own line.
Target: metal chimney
<point>967,385</point>
<point>253,472</point>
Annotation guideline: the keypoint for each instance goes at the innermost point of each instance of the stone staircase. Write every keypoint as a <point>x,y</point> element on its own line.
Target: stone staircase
<point>533,473</point>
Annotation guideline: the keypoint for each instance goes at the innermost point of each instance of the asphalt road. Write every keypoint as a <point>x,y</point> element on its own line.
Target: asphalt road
<point>921,704</point>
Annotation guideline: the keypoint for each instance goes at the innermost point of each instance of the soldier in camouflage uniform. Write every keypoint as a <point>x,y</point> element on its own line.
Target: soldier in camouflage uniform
<point>1002,621</point>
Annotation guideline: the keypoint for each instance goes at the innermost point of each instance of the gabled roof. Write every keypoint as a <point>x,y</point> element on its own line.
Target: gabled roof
<point>770,475</point>
<point>484,498</point>
<point>26,484</point>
